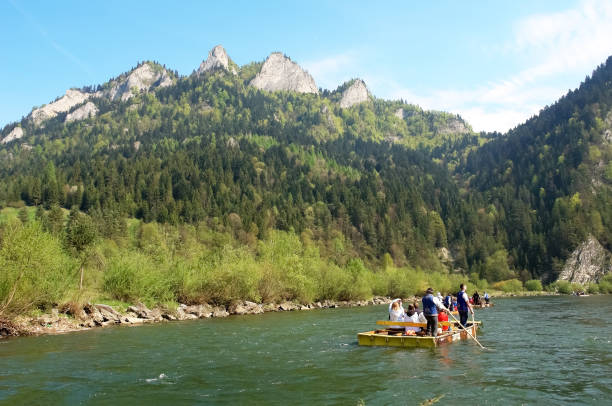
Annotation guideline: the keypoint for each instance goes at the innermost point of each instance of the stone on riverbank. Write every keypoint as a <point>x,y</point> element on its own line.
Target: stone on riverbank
<point>131,320</point>
<point>287,307</point>
<point>108,313</point>
<point>145,313</point>
<point>93,315</point>
<point>220,311</point>
<point>245,307</point>
<point>183,314</point>
<point>270,307</point>
<point>203,311</point>
<point>8,328</point>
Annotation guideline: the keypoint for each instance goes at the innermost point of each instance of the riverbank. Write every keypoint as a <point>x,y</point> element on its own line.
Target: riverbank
<point>523,294</point>
<point>102,315</point>
<point>67,320</point>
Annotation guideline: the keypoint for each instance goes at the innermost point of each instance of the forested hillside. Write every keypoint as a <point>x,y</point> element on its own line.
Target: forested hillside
<point>547,182</point>
<point>384,180</point>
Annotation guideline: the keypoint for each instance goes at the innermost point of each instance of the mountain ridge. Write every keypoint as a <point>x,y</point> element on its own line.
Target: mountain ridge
<point>280,73</point>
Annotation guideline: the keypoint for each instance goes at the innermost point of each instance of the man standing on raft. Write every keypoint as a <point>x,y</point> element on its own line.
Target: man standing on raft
<point>431,304</point>
<point>463,305</point>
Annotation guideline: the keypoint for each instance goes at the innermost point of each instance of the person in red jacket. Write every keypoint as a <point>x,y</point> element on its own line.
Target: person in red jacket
<point>443,316</point>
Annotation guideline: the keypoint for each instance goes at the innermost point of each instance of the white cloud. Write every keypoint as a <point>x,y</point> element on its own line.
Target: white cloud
<point>570,43</point>
<point>570,40</point>
<point>557,49</point>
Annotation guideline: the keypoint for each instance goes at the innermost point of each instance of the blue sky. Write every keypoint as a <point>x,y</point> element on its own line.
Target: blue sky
<point>495,63</point>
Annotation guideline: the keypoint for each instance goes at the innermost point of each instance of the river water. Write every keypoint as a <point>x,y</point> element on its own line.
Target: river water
<point>544,350</point>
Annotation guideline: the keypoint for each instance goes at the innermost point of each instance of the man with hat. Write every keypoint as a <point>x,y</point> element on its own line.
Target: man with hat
<point>431,304</point>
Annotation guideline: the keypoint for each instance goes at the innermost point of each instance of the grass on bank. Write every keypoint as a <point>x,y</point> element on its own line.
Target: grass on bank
<point>161,265</point>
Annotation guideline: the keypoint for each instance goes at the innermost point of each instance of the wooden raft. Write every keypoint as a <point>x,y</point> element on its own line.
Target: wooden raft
<point>390,338</point>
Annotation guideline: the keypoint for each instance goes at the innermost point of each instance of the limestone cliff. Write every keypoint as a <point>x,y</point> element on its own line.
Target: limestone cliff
<point>588,263</point>
<point>217,59</point>
<point>15,134</point>
<point>281,73</point>
<point>356,93</point>
<point>87,110</point>
<point>61,105</point>
<point>455,126</point>
<point>146,77</point>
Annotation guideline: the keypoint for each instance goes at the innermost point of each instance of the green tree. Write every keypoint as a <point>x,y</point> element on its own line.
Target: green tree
<point>23,215</point>
<point>496,267</point>
<point>55,220</point>
<point>80,234</point>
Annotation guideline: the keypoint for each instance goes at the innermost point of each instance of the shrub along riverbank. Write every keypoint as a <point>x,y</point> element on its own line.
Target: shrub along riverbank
<point>159,265</point>
<point>67,266</point>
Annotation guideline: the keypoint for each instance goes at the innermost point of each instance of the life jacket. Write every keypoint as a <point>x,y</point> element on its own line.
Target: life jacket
<point>462,305</point>
<point>443,317</point>
<point>429,307</point>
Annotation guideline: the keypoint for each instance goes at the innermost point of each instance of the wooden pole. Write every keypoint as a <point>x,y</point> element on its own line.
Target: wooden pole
<point>468,331</point>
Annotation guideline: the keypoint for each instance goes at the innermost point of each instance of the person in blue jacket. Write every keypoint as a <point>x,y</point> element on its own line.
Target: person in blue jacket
<point>431,304</point>
<point>463,305</point>
<point>448,301</point>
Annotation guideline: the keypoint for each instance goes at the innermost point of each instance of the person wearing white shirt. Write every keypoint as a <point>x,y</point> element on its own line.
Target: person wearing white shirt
<point>396,300</point>
<point>421,317</point>
<point>413,317</point>
<point>396,313</point>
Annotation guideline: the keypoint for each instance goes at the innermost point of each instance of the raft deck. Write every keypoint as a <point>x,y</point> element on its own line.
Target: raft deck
<point>483,305</point>
<point>389,338</point>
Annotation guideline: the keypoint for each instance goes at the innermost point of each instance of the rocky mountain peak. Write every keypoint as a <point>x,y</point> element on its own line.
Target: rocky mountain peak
<point>61,105</point>
<point>281,73</point>
<point>356,93</point>
<point>146,77</point>
<point>217,59</point>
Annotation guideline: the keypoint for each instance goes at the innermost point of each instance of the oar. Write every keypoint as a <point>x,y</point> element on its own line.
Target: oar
<point>468,331</point>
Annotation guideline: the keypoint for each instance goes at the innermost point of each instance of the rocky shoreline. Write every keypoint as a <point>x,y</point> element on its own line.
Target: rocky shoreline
<point>102,315</point>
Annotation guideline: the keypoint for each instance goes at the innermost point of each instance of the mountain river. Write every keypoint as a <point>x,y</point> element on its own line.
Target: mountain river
<point>541,350</point>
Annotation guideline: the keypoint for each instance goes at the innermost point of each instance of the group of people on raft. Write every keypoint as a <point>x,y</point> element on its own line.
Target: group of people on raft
<point>435,309</point>
<point>476,300</point>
